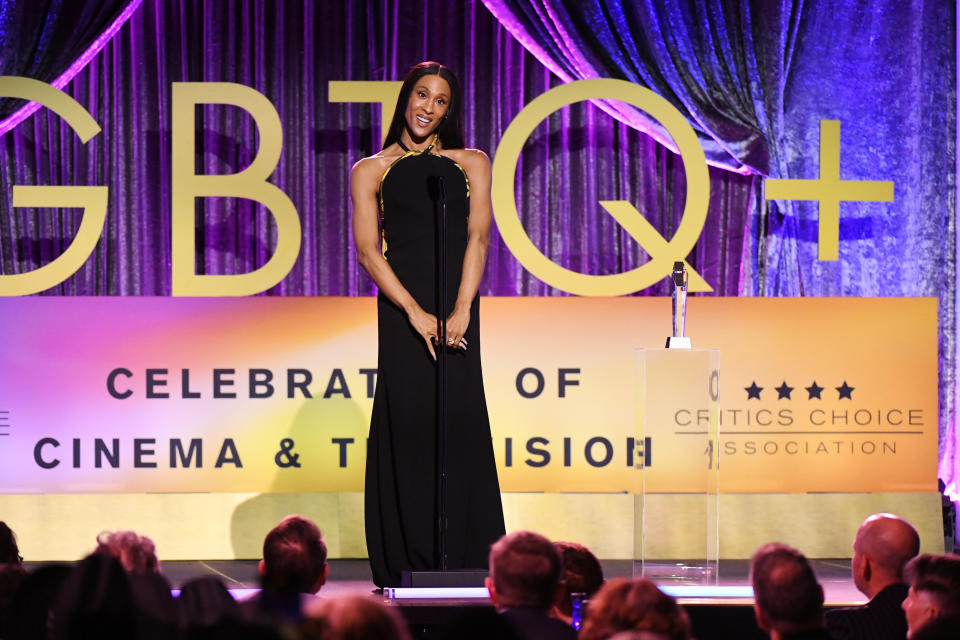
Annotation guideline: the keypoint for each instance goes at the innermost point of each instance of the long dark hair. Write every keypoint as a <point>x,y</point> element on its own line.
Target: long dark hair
<point>451,127</point>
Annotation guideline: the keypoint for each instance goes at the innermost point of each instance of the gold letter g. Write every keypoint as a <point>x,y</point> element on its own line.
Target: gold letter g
<point>93,200</point>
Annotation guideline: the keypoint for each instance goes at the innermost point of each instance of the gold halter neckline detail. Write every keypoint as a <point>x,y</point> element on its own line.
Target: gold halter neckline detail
<point>427,150</point>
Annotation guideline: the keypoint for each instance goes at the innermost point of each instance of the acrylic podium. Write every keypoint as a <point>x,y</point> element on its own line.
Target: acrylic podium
<point>676,488</point>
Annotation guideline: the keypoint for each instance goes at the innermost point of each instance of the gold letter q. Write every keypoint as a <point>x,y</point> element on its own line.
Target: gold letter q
<point>662,256</point>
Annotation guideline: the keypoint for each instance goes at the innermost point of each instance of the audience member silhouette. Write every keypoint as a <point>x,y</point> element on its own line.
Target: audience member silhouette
<point>11,576</point>
<point>158,616</point>
<point>95,601</point>
<point>32,613</point>
<point>156,611</point>
<point>883,546</point>
<point>478,623</point>
<point>524,585</point>
<point>294,556</point>
<point>118,592</point>
<point>136,553</point>
<point>788,600</point>
<point>582,574</point>
<point>636,606</point>
<point>209,612</point>
<point>352,617</point>
<point>293,568</point>
<point>639,635</point>
<point>932,605</point>
<point>9,551</point>
<point>204,603</point>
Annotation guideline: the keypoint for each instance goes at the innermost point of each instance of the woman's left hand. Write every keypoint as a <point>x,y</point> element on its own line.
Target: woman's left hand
<point>457,323</point>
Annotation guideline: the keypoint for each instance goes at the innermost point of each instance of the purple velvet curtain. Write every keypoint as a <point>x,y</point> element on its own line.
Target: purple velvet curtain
<point>720,63</point>
<point>42,38</point>
<point>288,52</point>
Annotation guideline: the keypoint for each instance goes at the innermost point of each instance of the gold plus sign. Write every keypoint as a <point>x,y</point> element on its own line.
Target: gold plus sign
<point>829,190</point>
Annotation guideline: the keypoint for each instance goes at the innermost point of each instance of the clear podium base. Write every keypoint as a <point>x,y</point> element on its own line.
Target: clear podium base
<point>688,573</point>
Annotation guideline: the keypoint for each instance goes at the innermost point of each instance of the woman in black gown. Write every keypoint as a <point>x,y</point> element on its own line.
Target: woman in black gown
<point>394,206</point>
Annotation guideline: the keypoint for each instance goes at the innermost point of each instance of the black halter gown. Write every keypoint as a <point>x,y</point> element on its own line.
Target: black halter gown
<point>401,474</point>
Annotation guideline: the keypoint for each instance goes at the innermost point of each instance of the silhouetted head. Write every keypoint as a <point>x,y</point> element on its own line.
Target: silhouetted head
<point>525,571</point>
<point>934,596</point>
<point>582,573</point>
<point>9,551</point>
<point>352,617</point>
<point>787,596</point>
<point>883,546</point>
<point>136,553</point>
<point>95,601</point>
<point>636,606</point>
<point>294,556</point>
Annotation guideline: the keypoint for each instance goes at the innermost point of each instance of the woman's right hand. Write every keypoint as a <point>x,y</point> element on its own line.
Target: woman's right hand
<point>426,325</point>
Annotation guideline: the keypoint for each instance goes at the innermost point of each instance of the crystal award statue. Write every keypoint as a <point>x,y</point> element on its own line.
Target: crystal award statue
<point>680,278</point>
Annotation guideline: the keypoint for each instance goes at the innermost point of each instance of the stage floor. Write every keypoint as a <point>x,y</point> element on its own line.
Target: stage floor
<point>353,576</point>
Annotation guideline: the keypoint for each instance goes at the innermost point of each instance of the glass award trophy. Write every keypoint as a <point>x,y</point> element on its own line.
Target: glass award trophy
<point>676,486</point>
<point>679,277</point>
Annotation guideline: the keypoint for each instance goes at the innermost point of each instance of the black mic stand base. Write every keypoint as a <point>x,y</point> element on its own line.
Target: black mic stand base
<point>448,578</point>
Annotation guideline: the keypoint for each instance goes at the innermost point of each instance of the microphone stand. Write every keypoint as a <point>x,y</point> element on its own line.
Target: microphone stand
<point>443,576</point>
<point>442,373</point>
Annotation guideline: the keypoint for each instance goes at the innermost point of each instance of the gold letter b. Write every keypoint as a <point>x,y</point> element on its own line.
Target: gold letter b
<point>250,183</point>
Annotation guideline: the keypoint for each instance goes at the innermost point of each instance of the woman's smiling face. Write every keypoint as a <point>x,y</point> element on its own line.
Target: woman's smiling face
<point>427,105</point>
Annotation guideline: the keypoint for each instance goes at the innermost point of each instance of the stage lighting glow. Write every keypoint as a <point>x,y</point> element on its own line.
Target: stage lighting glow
<point>403,593</point>
<point>677,591</point>
<point>701,591</point>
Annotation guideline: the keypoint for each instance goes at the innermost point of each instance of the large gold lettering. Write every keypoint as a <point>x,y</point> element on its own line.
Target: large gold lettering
<point>383,93</point>
<point>92,199</point>
<point>828,191</point>
<point>662,252</point>
<point>250,183</point>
